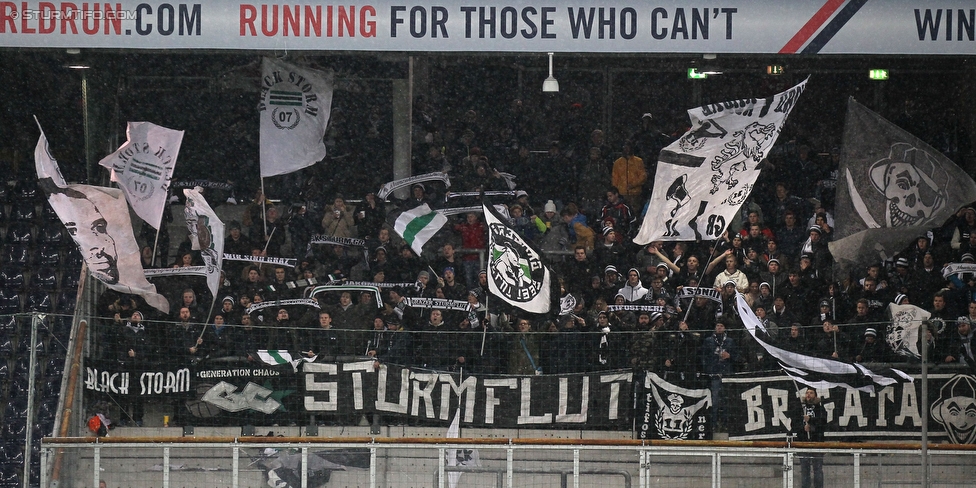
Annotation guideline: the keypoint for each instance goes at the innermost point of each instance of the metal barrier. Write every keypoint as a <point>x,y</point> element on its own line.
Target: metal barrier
<point>391,462</point>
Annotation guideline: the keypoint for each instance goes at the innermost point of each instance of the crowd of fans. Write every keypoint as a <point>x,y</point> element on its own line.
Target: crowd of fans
<point>774,252</point>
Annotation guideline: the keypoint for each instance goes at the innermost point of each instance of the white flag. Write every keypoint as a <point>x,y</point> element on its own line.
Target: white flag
<point>704,177</point>
<point>295,106</point>
<point>98,220</point>
<point>516,271</point>
<point>902,332</point>
<point>206,235</point>
<point>143,167</point>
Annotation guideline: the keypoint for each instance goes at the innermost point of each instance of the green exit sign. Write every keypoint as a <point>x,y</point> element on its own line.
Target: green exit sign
<point>693,74</point>
<point>878,74</point>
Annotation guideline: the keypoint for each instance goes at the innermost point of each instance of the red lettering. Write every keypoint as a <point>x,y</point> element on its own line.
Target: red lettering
<point>290,19</point>
<point>248,14</point>
<point>313,20</point>
<point>8,12</point>
<point>47,14</point>
<point>328,21</point>
<point>367,28</point>
<point>24,29</point>
<point>113,18</point>
<point>87,16</point>
<point>264,20</point>
<point>347,20</point>
<point>68,13</point>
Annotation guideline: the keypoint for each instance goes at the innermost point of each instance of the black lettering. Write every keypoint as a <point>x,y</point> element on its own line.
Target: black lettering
<point>628,23</point>
<point>166,19</point>
<point>532,29</point>
<point>142,28</point>
<point>418,15</point>
<point>658,13</point>
<point>486,21</point>
<point>395,19</point>
<point>581,20</point>
<point>547,22</point>
<point>607,22</point>
<point>680,24</point>
<point>966,25</point>
<point>190,19</point>
<point>728,21</point>
<point>699,23</point>
<point>467,21</point>
<point>438,21</point>
<point>927,25</point>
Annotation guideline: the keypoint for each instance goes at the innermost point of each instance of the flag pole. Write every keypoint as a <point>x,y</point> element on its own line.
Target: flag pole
<point>266,244</point>
<point>264,211</point>
<point>155,245</point>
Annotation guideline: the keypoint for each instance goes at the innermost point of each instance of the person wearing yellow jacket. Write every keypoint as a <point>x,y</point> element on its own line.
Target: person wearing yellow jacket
<point>629,175</point>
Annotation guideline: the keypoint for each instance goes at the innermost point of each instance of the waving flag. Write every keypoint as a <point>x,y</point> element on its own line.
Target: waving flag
<point>296,104</point>
<point>206,235</point>
<point>417,225</point>
<point>819,372</point>
<point>704,177</point>
<point>143,167</point>
<point>98,220</point>
<point>516,271</point>
<point>891,188</point>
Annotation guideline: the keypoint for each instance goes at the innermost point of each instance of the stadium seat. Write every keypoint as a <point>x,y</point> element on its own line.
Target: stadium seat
<point>66,300</point>
<point>48,409</point>
<point>45,279</point>
<point>15,428</point>
<point>48,213</point>
<point>16,408</point>
<point>54,368</point>
<point>40,301</point>
<point>48,255</point>
<point>16,254</point>
<point>70,278</point>
<point>52,388</point>
<point>27,190</point>
<point>12,277</point>
<point>11,470</point>
<point>73,260</point>
<point>7,347</point>
<point>4,371</point>
<point>20,233</point>
<point>9,301</point>
<point>51,233</point>
<point>23,210</point>
<point>8,325</point>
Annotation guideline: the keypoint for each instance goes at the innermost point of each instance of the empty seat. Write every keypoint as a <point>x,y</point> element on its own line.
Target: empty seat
<point>54,368</point>
<point>16,254</point>
<point>70,279</point>
<point>73,260</point>
<point>8,325</point>
<point>20,233</point>
<point>66,300</point>
<point>51,233</point>
<point>48,255</point>
<point>23,210</point>
<point>9,301</point>
<point>26,189</point>
<point>16,408</point>
<point>12,277</point>
<point>40,301</point>
<point>15,428</point>
<point>48,213</point>
<point>4,370</point>
<point>45,279</point>
<point>48,410</point>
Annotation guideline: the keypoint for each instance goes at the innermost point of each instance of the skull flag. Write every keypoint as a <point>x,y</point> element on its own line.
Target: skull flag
<point>704,177</point>
<point>891,188</point>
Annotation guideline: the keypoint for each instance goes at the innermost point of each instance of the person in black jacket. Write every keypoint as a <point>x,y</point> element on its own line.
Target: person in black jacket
<point>134,351</point>
<point>809,422</point>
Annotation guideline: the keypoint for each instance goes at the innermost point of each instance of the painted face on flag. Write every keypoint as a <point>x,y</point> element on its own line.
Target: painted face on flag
<point>956,409</point>
<point>98,246</point>
<point>912,182</point>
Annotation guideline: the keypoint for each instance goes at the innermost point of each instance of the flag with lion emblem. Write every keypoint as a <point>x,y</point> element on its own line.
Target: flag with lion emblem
<point>516,271</point>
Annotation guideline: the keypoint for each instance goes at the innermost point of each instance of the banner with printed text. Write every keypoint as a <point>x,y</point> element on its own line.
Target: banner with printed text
<point>668,26</point>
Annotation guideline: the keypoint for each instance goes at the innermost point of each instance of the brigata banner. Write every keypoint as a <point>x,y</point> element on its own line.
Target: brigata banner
<point>666,26</point>
<point>762,407</point>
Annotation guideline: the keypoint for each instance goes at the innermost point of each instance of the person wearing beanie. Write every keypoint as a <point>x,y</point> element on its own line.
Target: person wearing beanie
<point>633,290</point>
<point>809,422</point>
<point>871,349</point>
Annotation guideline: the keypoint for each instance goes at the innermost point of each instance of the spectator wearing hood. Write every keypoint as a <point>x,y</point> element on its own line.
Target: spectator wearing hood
<point>633,290</point>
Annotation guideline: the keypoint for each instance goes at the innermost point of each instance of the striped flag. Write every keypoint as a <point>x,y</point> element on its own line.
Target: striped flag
<point>418,225</point>
<point>275,357</point>
<point>296,103</point>
<point>143,167</point>
<point>820,372</point>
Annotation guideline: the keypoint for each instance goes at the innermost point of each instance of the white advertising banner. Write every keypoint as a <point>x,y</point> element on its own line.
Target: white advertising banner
<point>671,26</point>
